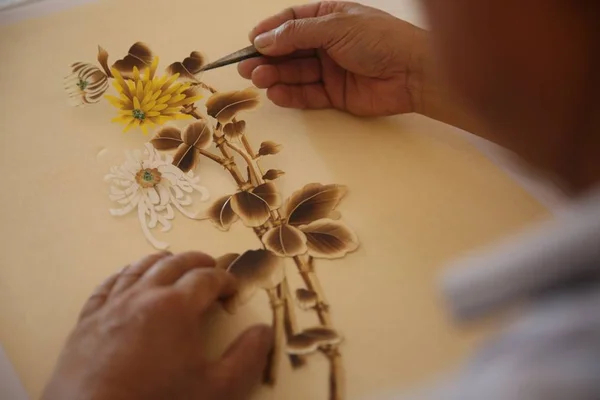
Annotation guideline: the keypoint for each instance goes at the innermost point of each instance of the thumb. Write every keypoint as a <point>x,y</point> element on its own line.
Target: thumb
<point>299,34</point>
<point>243,363</point>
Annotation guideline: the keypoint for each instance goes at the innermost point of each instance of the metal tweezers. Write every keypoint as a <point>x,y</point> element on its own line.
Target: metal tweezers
<point>233,58</point>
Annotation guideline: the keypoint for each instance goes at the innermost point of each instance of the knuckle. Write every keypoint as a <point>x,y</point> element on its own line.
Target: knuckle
<point>288,28</point>
<point>163,302</point>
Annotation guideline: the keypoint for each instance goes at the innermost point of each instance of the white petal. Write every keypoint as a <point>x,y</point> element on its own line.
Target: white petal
<point>170,212</point>
<point>185,186</point>
<point>153,218</point>
<point>153,195</point>
<point>178,192</point>
<point>118,212</point>
<point>116,190</point>
<point>166,225</point>
<point>153,241</point>
<point>164,194</point>
<point>182,210</point>
<point>185,201</point>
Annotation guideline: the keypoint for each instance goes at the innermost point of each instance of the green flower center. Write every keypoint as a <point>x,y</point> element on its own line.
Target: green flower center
<point>82,84</point>
<point>148,177</point>
<point>139,114</point>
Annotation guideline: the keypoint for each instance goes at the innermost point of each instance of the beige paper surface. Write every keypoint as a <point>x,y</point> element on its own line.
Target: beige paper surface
<point>419,196</point>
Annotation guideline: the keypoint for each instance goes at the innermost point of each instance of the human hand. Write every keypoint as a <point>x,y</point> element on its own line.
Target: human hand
<point>338,55</point>
<point>139,337</point>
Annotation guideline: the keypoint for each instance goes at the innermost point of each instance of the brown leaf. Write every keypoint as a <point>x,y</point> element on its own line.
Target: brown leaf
<point>225,261</point>
<point>285,241</point>
<point>139,56</point>
<point>254,269</point>
<point>198,135</point>
<point>329,239</point>
<point>307,299</point>
<point>188,68</point>
<point>310,340</point>
<point>186,158</point>
<point>272,174</point>
<point>224,106</point>
<point>234,130</point>
<point>313,202</point>
<point>103,60</point>
<point>269,148</point>
<point>254,206</point>
<point>221,213</point>
<point>268,192</point>
<point>168,138</point>
<point>325,336</point>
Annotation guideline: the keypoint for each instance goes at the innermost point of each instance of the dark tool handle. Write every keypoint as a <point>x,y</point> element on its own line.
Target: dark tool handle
<point>234,58</point>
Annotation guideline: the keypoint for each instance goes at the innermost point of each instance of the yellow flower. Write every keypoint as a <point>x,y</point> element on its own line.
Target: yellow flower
<point>148,100</point>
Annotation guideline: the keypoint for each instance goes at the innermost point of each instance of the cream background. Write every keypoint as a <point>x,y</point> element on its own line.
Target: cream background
<point>420,195</point>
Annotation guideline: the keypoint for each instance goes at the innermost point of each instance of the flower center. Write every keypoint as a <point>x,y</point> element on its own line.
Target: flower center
<point>148,177</point>
<point>139,114</point>
<point>82,84</point>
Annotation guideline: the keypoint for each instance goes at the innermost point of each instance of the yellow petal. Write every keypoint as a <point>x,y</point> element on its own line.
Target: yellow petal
<point>147,98</point>
<point>158,83</point>
<point>120,83</point>
<point>136,73</point>
<point>182,116</point>
<point>162,119</point>
<point>152,114</point>
<point>153,68</point>
<point>144,128</point>
<point>177,98</point>
<point>123,119</point>
<point>139,90</point>
<point>155,95</point>
<point>150,105</point>
<point>114,101</point>
<point>163,99</point>
<point>131,86</point>
<point>132,124</point>
<point>170,81</point>
<point>136,103</point>
<point>171,110</point>
<point>159,107</point>
<point>170,90</point>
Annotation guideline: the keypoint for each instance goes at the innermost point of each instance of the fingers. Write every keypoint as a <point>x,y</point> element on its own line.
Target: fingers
<point>311,96</point>
<point>98,297</point>
<point>130,275</point>
<point>292,13</point>
<point>301,71</point>
<point>205,286</point>
<point>169,270</point>
<point>300,34</point>
<point>243,363</point>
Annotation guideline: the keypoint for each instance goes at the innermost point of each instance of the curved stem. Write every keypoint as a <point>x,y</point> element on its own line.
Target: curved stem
<point>210,155</point>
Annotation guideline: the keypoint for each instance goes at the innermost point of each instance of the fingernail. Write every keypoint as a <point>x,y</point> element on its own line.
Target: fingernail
<point>264,40</point>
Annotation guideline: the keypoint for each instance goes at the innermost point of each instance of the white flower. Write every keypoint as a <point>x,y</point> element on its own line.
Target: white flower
<point>153,186</point>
